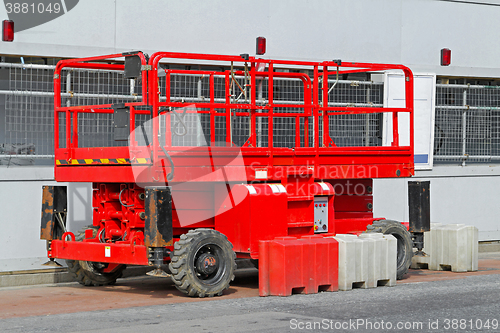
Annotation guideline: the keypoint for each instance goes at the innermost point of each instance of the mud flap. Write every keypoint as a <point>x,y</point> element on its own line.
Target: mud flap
<point>54,209</point>
<point>158,230</point>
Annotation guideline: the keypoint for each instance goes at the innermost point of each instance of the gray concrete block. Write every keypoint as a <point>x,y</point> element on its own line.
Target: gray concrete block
<point>449,247</point>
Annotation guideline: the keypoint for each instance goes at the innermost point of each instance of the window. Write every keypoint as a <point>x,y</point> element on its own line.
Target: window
<point>467,123</point>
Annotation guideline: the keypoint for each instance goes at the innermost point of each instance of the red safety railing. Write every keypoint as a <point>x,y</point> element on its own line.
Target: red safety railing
<point>310,145</point>
<point>68,149</point>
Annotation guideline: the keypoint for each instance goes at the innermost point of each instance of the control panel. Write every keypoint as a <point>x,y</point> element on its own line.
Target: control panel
<point>320,214</point>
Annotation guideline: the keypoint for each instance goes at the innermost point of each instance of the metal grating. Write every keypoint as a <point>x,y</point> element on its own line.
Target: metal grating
<point>29,107</point>
<point>29,110</point>
<point>467,123</point>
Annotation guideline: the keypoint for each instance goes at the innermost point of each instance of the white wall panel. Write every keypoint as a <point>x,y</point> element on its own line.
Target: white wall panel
<point>456,198</point>
<point>21,247</point>
<point>411,32</point>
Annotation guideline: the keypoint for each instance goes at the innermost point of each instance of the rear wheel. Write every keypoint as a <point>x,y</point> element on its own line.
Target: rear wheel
<point>202,263</point>
<point>405,243</point>
<point>90,273</point>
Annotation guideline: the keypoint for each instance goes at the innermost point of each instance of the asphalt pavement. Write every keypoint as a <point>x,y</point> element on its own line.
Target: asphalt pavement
<point>424,302</point>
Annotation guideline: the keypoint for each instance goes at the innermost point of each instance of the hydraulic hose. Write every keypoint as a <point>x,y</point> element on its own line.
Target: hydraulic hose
<point>170,176</point>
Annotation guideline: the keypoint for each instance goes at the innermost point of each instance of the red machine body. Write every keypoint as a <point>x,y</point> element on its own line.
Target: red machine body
<point>251,190</point>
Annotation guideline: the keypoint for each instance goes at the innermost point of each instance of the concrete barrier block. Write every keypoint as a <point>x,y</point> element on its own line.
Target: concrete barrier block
<point>423,261</point>
<point>382,256</point>
<point>289,265</point>
<point>366,261</point>
<point>449,247</point>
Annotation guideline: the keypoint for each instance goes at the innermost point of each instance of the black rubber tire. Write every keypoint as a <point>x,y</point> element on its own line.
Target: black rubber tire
<point>405,243</point>
<point>188,252</point>
<point>255,263</point>
<point>88,273</point>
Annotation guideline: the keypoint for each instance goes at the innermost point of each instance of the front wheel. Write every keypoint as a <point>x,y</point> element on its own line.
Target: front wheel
<point>93,273</point>
<point>405,243</point>
<point>90,273</point>
<point>202,263</point>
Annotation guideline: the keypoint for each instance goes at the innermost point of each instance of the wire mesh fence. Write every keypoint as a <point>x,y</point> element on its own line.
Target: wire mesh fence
<point>28,113</point>
<point>345,130</point>
<point>29,108</point>
<point>467,123</point>
<point>28,119</point>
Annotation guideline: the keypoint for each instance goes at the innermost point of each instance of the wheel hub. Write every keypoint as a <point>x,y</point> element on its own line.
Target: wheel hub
<point>207,263</point>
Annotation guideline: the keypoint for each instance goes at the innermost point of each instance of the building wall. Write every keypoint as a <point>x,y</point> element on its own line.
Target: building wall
<point>410,32</point>
<point>21,198</point>
<point>459,195</point>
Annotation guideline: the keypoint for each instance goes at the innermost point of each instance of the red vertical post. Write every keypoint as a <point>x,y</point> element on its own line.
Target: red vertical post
<point>297,131</point>
<point>395,129</point>
<point>68,132</point>
<point>153,99</point>
<point>307,111</point>
<point>306,131</point>
<point>315,108</point>
<point>228,110</point>
<point>167,86</point>
<point>212,110</point>
<point>75,128</point>
<point>56,130</point>
<point>132,127</point>
<point>326,133</point>
<point>409,104</point>
<point>271,108</point>
<point>57,104</point>
<point>168,119</point>
<point>253,116</point>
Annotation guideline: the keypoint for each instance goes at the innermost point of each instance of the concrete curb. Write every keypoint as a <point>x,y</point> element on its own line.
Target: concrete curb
<point>60,275</point>
<point>26,279</point>
<point>489,247</point>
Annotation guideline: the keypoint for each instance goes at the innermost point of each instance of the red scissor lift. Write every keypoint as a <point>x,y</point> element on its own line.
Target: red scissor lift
<point>159,198</point>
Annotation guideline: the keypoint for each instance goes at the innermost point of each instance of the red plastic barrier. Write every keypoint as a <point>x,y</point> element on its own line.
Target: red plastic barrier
<point>289,265</point>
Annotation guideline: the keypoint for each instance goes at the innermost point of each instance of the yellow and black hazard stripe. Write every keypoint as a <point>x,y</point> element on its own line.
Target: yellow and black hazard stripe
<point>89,161</point>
